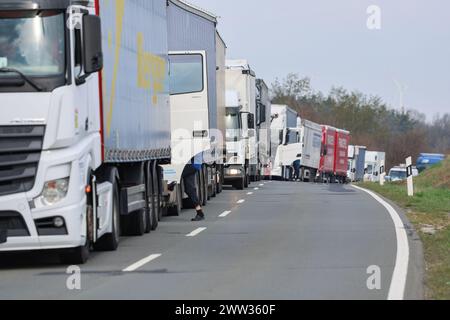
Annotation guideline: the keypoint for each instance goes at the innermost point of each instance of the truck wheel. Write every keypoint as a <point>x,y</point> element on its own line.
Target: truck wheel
<point>214,182</point>
<point>203,189</point>
<point>240,185</point>
<point>77,256</point>
<point>110,241</point>
<point>220,180</point>
<point>157,213</point>
<point>175,210</point>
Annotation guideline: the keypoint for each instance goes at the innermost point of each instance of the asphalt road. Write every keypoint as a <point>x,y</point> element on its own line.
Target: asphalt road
<point>278,241</point>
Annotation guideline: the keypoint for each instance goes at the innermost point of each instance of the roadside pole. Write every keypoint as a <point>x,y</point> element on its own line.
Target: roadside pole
<point>409,172</point>
<point>382,174</point>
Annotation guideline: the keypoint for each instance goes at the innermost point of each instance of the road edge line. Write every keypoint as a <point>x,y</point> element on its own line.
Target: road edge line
<point>400,275</point>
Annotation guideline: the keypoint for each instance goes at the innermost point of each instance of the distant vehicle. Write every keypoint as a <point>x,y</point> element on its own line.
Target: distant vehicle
<point>427,160</point>
<point>285,135</point>
<point>334,155</point>
<point>400,173</point>
<point>375,166</point>
<point>356,163</point>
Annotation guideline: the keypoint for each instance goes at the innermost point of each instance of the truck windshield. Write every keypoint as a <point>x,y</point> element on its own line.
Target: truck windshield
<point>233,125</point>
<point>398,175</point>
<point>32,42</point>
<point>186,74</point>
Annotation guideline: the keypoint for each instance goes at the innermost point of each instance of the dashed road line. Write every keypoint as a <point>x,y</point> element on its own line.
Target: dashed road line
<point>225,214</point>
<point>241,201</point>
<point>142,262</point>
<point>196,232</point>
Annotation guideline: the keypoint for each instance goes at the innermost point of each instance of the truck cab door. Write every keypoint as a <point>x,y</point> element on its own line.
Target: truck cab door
<point>189,95</point>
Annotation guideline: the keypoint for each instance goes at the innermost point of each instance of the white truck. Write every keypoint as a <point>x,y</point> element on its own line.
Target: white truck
<point>80,149</point>
<point>310,150</point>
<point>263,123</point>
<point>242,163</point>
<point>197,99</point>
<point>285,133</point>
<point>375,166</point>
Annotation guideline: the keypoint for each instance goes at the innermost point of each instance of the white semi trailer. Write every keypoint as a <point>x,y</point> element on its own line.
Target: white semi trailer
<point>197,98</point>
<point>310,150</point>
<point>81,149</point>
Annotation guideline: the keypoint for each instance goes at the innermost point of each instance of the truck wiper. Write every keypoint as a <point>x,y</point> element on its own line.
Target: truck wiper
<point>23,76</point>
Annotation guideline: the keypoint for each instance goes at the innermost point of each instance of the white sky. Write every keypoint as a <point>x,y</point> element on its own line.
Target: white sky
<point>328,40</point>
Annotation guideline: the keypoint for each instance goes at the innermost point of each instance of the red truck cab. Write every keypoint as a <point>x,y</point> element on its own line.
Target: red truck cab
<point>326,170</point>
<point>341,155</point>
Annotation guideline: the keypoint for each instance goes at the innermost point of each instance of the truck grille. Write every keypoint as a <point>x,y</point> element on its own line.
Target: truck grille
<point>20,151</point>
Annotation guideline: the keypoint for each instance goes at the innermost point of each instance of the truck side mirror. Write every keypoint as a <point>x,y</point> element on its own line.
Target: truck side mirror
<point>262,116</point>
<point>92,38</point>
<point>251,121</point>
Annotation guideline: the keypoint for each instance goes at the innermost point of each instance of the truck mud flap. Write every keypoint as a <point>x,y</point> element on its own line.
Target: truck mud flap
<point>132,199</point>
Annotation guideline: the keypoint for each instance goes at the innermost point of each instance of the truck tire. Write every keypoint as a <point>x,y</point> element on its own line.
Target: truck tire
<point>214,182</point>
<point>203,189</point>
<point>150,212</point>
<point>175,210</point>
<point>110,241</point>
<point>240,185</point>
<point>135,223</point>
<point>157,213</point>
<point>246,179</point>
<point>77,256</point>
<point>219,180</point>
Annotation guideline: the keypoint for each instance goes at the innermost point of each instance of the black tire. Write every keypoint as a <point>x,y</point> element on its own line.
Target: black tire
<point>134,223</point>
<point>110,241</point>
<point>220,181</point>
<point>203,189</point>
<point>207,181</point>
<point>77,256</point>
<point>157,212</point>
<point>214,182</point>
<point>240,185</point>
<point>175,211</point>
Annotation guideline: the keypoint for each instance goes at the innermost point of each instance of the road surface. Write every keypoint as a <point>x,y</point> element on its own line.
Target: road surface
<point>273,241</point>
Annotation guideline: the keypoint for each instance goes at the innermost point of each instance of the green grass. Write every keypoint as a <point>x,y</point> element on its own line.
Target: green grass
<point>429,207</point>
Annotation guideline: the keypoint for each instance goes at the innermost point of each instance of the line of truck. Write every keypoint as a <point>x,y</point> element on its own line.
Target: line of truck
<point>307,151</point>
<point>104,104</point>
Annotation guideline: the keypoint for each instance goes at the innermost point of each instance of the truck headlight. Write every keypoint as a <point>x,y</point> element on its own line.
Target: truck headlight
<point>54,191</point>
<point>235,172</point>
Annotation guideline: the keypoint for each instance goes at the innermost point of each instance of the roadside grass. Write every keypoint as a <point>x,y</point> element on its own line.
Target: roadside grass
<point>429,211</point>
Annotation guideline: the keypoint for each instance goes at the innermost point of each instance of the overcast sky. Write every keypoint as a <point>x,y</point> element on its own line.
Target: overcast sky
<point>329,41</point>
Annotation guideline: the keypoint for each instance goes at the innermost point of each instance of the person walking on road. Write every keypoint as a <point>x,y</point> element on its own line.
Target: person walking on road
<point>189,178</point>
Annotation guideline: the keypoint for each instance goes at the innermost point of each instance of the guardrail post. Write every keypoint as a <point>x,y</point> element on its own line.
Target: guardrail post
<point>410,179</point>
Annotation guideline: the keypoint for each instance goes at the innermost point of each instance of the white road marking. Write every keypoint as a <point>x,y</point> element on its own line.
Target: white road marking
<point>241,201</point>
<point>250,193</point>
<point>226,213</point>
<point>141,263</point>
<point>196,232</point>
<point>261,185</point>
<point>398,284</point>
<point>256,189</point>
